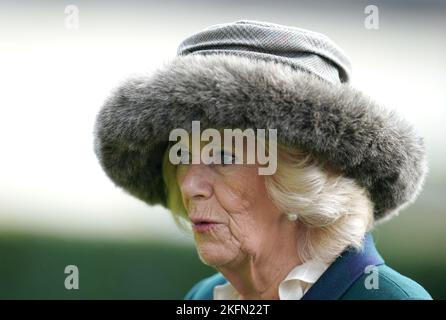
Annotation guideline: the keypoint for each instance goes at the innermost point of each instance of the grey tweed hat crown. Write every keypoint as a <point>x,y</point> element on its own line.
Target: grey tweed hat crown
<point>299,48</point>
<point>250,74</point>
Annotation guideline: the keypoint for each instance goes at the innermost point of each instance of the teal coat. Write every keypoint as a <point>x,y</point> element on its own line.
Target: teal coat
<point>346,279</point>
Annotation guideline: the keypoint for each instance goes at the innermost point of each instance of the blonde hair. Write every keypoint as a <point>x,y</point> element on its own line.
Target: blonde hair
<point>172,190</point>
<point>333,210</point>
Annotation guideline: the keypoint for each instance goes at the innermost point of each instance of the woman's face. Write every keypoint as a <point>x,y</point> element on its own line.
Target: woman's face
<point>232,198</point>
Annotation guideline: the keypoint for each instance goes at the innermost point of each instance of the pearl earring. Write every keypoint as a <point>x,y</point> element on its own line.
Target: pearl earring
<point>292,216</point>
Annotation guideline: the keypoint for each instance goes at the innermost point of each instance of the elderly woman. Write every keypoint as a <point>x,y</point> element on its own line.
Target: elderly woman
<point>343,164</point>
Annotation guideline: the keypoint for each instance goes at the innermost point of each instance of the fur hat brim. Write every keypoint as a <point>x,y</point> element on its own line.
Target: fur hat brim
<point>368,143</point>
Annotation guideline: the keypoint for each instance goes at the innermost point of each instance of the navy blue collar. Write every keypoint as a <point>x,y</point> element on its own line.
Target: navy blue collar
<point>344,271</point>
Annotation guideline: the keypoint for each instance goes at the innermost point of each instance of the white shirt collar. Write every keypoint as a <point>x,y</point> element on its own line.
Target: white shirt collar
<point>293,287</point>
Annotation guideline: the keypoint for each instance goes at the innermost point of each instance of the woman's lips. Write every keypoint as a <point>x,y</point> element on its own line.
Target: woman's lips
<point>203,225</point>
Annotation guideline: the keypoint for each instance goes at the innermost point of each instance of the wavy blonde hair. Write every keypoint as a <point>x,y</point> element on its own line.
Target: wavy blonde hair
<point>333,210</point>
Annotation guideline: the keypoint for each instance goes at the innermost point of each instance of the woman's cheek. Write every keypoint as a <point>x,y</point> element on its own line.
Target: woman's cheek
<point>234,197</point>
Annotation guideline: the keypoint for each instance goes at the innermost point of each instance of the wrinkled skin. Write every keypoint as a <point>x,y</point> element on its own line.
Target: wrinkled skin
<point>254,245</point>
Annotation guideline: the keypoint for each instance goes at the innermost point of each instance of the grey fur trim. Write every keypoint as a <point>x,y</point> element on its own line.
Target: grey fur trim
<point>335,122</point>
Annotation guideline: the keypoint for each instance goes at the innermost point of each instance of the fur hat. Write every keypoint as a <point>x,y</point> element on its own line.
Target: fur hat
<point>252,74</point>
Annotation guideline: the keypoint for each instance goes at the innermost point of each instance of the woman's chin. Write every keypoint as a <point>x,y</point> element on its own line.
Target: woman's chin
<point>213,254</point>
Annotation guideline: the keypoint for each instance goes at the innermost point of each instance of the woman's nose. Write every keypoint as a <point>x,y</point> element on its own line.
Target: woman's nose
<point>196,182</point>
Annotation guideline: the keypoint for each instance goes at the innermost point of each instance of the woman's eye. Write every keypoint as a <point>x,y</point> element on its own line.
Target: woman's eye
<point>185,157</point>
<point>226,158</point>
